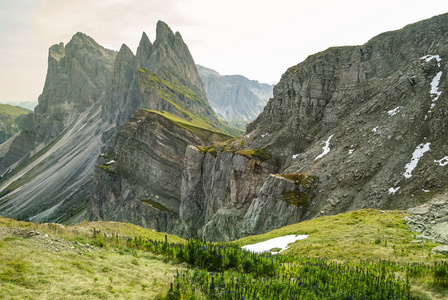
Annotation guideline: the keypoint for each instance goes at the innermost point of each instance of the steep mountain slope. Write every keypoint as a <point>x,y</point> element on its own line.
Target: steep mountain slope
<point>48,168</point>
<point>139,176</point>
<point>234,97</point>
<point>348,128</point>
<point>11,120</point>
<point>77,76</point>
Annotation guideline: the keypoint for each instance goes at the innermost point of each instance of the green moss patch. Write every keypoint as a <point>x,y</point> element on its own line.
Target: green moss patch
<point>210,149</point>
<point>205,134</point>
<point>155,204</point>
<point>303,187</point>
<point>262,154</point>
<point>182,95</point>
<point>105,168</point>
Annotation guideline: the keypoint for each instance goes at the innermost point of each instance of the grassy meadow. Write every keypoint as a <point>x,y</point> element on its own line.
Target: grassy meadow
<point>367,254</point>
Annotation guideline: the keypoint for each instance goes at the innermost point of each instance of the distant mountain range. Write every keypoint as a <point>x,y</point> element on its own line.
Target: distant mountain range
<point>30,105</point>
<point>234,97</point>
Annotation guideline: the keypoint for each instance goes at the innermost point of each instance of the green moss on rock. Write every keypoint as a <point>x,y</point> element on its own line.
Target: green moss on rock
<point>300,196</point>
<point>262,154</point>
<point>210,149</point>
<point>105,168</point>
<point>155,204</point>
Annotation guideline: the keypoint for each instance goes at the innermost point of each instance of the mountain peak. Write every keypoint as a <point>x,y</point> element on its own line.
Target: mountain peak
<point>144,50</point>
<point>164,33</point>
<point>57,51</point>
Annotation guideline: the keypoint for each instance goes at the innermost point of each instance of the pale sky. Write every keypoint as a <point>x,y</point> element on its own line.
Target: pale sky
<point>255,38</point>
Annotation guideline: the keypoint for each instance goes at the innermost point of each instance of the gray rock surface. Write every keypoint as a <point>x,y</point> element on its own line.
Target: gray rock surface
<point>217,192</point>
<point>441,249</point>
<point>359,126</point>
<point>372,108</point>
<point>430,219</point>
<point>161,76</point>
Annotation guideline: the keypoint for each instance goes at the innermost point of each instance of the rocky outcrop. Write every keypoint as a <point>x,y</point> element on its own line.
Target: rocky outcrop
<point>430,219</point>
<point>234,97</point>
<point>138,179</point>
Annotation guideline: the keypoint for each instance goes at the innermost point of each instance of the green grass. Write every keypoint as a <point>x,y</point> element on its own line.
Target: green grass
<point>353,235</point>
<point>32,270</point>
<point>183,96</point>
<point>155,204</point>
<point>11,111</point>
<point>261,153</point>
<point>359,236</point>
<point>358,253</point>
<point>11,120</point>
<point>28,272</point>
<point>206,134</point>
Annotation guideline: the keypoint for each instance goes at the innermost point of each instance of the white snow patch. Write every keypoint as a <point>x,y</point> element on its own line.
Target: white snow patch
<point>266,134</point>
<point>110,162</point>
<point>325,148</point>
<point>435,85</point>
<point>442,162</point>
<point>394,111</point>
<point>428,58</point>
<point>435,90</point>
<point>375,129</point>
<point>393,190</point>
<point>278,242</point>
<point>295,156</point>
<point>350,151</point>
<point>418,153</point>
<point>426,191</point>
<point>139,121</point>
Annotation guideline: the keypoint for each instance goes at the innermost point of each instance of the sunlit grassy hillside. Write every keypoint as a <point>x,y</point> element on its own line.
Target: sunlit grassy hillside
<point>67,262</point>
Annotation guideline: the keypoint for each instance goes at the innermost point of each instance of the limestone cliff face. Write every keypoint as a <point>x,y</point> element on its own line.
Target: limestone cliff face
<point>139,177</point>
<point>368,121</point>
<point>217,192</point>
<point>234,97</point>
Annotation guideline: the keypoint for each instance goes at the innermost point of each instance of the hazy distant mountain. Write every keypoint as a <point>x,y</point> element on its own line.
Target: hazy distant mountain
<point>11,120</point>
<point>25,104</point>
<point>234,97</point>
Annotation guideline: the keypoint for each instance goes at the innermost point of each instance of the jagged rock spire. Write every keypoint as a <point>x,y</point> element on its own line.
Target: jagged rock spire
<point>144,51</point>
